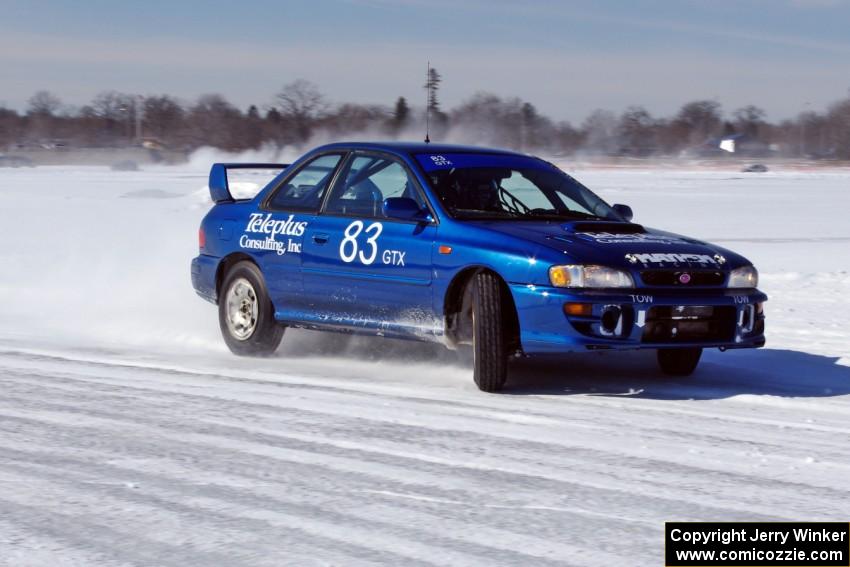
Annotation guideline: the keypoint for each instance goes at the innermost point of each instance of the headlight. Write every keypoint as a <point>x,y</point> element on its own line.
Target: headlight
<point>744,277</point>
<point>589,276</point>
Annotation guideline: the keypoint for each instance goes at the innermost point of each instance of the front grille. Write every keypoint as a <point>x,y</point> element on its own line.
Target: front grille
<point>683,278</point>
<point>689,323</point>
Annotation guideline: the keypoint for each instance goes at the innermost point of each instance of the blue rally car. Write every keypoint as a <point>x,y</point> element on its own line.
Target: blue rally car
<point>490,252</point>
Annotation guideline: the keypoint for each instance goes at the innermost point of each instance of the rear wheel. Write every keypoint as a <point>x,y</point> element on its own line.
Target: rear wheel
<point>246,314</point>
<point>489,351</point>
<point>678,361</point>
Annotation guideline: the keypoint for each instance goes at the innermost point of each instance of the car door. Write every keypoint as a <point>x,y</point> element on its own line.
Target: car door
<point>365,271</point>
<point>277,231</point>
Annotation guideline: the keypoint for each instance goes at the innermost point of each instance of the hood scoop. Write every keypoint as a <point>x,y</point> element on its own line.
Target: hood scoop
<point>606,227</point>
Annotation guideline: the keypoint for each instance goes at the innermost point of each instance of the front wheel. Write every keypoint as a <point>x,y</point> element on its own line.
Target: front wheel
<point>678,361</point>
<point>489,351</point>
<point>246,314</point>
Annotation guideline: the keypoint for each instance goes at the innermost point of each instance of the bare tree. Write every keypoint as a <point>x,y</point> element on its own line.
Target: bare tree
<point>44,103</point>
<point>117,112</point>
<point>749,119</point>
<point>10,126</point>
<point>112,105</point>
<point>486,118</point>
<point>600,132</point>
<point>41,115</point>
<point>302,104</point>
<point>352,118</point>
<point>163,117</point>
<point>838,133</point>
<point>529,126</point>
<point>273,129</point>
<point>636,132</point>
<point>697,121</point>
<point>300,109</point>
<point>215,122</point>
<point>567,139</point>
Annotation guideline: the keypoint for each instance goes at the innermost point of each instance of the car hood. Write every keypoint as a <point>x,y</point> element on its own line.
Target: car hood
<point>620,244</point>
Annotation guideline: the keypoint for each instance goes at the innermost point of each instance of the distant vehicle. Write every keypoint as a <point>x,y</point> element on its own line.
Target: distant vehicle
<point>16,161</point>
<point>755,168</point>
<point>152,144</point>
<point>496,253</point>
<point>55,145</point>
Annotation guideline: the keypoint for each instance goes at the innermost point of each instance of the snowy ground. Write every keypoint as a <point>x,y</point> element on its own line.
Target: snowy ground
<point>129,436</point>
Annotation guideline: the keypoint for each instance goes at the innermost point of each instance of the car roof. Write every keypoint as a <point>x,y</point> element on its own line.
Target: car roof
<point>417,148</point>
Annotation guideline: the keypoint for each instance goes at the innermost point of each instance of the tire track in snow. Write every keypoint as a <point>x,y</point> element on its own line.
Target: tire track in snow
<point>259,503</point>
<point>758,443</point>
<point>653,466</point>
<point>468,479</point>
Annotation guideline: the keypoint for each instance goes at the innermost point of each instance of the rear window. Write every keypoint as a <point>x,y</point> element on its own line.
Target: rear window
<point>304,190</point>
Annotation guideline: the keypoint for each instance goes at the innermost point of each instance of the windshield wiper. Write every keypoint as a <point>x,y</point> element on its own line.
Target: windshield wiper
<point>483,213</point>
<point>565,215</point>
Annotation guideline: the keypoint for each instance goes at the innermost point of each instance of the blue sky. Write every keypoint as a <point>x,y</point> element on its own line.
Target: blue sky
<point>567,57</point>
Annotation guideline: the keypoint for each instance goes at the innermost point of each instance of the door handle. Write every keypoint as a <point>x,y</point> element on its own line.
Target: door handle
<point>320,238</point>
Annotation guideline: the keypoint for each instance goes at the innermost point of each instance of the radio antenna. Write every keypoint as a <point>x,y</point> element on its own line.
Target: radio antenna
<point>428,104</point>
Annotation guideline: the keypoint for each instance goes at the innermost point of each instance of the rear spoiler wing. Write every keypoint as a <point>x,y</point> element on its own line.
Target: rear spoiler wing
<point>219,185</point>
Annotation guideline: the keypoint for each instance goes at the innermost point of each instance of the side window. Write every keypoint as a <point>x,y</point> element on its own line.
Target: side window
<point>368,181</point>
<point>305,190</point>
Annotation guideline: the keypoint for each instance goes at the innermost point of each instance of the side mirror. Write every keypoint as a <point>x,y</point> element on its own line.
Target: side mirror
<point>624,211</point>
<point>403,208</point>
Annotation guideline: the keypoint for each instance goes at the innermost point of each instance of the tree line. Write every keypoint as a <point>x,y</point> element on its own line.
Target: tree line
<point>300,114</point>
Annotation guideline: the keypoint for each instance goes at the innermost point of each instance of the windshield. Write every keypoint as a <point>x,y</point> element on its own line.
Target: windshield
<point>493,186</point>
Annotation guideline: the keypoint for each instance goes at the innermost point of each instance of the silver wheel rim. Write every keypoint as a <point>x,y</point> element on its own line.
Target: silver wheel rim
<point>241,309</point>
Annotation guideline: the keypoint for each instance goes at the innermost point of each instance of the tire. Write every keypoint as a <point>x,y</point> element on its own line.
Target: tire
<point>490,359</point>
<point>678,361</point>
<point>246,314</point>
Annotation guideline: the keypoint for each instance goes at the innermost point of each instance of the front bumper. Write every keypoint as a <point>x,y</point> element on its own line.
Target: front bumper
<point>638,318</point>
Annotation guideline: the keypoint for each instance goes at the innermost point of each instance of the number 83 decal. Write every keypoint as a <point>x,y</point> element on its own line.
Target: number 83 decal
<point>349,248</point>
